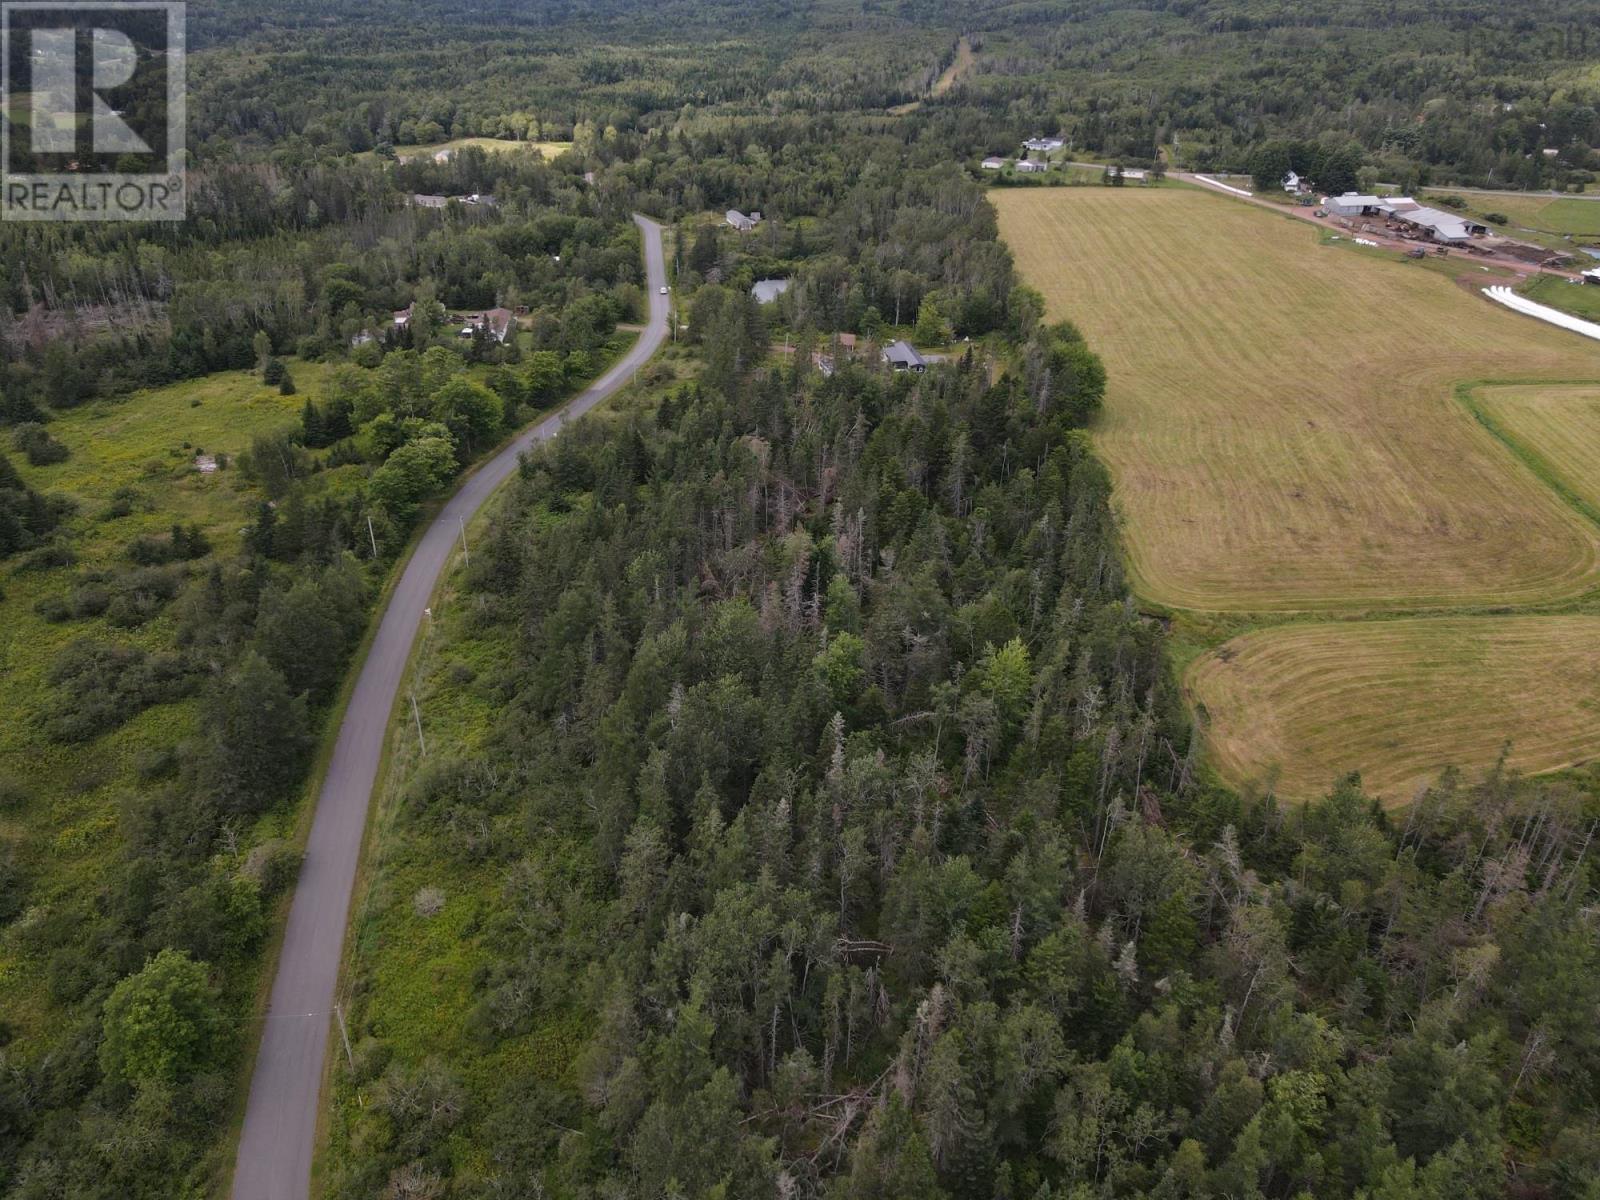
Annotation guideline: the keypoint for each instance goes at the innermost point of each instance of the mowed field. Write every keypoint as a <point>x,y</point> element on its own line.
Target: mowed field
<point>1285,433</point>
<point>1297,706</point>
<point>1281,419</point>
<point>1558,427</point>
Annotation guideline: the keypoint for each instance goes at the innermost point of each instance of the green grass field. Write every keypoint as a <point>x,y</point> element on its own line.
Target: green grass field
<point>491,145</point>
<point>1285,436</point>
<point>66,830</point>
<point>1581,300</point>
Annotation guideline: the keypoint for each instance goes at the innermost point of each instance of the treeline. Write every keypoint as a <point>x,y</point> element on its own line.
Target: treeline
<point>1470,92</point>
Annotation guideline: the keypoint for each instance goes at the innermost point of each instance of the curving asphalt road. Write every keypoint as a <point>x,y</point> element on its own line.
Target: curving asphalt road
<point>280,1121</point>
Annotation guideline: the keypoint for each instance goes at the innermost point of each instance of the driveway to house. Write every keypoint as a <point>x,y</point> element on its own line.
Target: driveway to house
<point>280,1122</point>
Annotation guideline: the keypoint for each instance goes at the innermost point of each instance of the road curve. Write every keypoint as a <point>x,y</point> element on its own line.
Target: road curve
<point>280,1121</point>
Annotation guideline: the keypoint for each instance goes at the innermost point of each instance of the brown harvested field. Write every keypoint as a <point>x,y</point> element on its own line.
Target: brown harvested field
<point>1558,426</point>
<point>1400,700</point>
<point>1281,420</point>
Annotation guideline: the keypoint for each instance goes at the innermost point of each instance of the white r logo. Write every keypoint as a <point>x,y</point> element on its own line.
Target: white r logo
<point>55,74</point>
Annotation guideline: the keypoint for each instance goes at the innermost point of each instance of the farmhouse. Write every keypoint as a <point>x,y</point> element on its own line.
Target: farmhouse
<point>1044,145</point>
<point>902,357</point>
<point>766,291</point>
<point>993,164</point>
<point>497,321</point>
<point>1293,184</point>
<point>741,222</point>
<point>1030,168</point>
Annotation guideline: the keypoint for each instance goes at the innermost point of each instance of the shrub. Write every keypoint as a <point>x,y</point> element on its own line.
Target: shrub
<point>97,687</point>
<point>34,441</point>
<point>160,1024</point>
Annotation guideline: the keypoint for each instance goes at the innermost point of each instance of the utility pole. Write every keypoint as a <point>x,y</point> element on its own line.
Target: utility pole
<point>374,538</point>
<point>417,713</point>
<point>344,1033</point>
<point>465,549</point>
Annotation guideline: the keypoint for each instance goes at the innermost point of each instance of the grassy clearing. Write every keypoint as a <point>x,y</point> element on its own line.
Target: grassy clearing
<point>1558,426</point>
<point>1281,421</point>
<point>1581,300</point>
<point>1297,706</point>
<point>66,830</point>
<point>491,145</point>
<point>965,61</point>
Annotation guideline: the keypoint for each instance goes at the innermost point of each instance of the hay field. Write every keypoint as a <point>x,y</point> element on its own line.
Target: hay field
<point>1281,421</point>
<point>1400,700</point>
<point>1559,427</point>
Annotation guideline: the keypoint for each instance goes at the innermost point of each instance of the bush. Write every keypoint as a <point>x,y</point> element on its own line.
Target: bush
<point>98,687</point>
<point>161,1024</point>
<point>34,441</point>
<point>12,794</point>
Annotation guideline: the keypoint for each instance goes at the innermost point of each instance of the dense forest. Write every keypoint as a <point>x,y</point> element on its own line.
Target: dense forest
<point>841,791</point>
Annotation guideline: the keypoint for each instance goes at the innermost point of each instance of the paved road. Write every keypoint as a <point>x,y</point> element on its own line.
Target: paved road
<point>280,1121</point>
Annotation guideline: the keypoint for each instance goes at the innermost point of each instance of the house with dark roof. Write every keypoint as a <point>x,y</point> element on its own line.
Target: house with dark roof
<point>901,356</point>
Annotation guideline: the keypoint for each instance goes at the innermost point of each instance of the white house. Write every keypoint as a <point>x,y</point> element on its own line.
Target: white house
<point>741,222</point>
<point>1292,184</point>
<point>1044,145</point>
<point>993,164</point>
<point>1028,167</point>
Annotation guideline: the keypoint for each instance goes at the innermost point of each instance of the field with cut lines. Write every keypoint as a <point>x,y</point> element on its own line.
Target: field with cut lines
<point>1401,700</point>
<point>1558,426</point>
<point>1281,418</point>
<point>1284,430</point>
